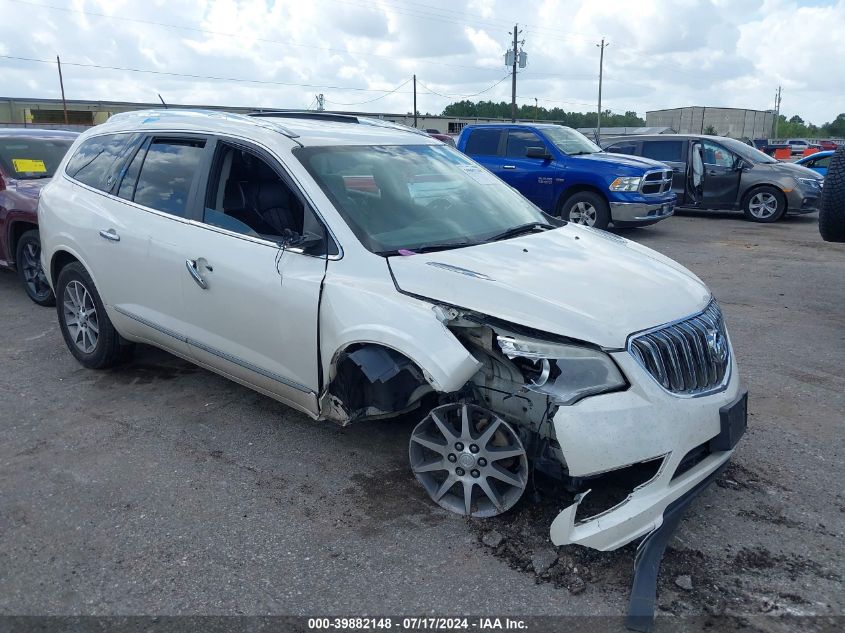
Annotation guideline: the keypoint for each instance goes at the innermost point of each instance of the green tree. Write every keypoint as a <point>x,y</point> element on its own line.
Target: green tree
<point>502,110</point>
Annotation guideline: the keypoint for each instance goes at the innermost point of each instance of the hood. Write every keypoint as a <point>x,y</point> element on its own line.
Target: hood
<point>796,171</point>
<point>22,195</point>
<point>572,281</point>
<point>28,186</point>
<point>637,164</point>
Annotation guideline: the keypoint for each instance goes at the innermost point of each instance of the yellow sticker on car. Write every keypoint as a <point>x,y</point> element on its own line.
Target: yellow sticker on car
<point>29,166</point>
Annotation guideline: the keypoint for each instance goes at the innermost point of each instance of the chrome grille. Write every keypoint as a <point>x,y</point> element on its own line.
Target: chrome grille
<point>655,182</point>
<point>689,357</point>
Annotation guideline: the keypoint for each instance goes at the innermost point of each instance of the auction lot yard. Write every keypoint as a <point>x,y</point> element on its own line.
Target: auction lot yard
<point>161,488</point>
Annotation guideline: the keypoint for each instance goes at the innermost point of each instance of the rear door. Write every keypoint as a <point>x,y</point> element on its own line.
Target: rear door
<point>533,177</point>
<point>485,145</point>
<point>721,178</point>
<point>671,152</point>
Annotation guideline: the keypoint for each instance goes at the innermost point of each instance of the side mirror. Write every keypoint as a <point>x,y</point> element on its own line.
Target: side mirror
<point>538,152</point>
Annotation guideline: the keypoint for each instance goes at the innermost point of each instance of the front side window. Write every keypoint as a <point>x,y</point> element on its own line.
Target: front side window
<point>167,173</point>
<point>414,197</point>
<point>520,140</point>
<point>28,158</point>
<point>246,195</point>
<point>623,148</point>
<point>717,155</point>
<point>95,161</point>
<point>483,142</point>
<point>822,162</point>
<point>671,151</point>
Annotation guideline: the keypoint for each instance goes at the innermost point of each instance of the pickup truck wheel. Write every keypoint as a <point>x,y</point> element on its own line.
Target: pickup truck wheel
<point>764,204</point>
<point>28,263</point>
<point>586,208</point>
<point>87,329</point>
<point>832,207</point>
<point>469,460</point>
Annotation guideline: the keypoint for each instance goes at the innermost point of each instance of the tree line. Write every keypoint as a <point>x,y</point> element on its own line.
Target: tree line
<point>502,110</point>
<point>796,127</point>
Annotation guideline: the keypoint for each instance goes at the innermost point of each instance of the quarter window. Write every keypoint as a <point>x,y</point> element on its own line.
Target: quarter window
<point>671,151</point>
<point>520,140</point>
<point>167,173</point>
<point>96,160</point>
<point>483,142</point>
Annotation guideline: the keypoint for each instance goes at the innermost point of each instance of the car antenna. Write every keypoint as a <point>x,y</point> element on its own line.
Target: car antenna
<point>162,101</point>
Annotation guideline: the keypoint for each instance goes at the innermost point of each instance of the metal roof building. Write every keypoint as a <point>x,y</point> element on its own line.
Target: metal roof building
<point>733,122</point>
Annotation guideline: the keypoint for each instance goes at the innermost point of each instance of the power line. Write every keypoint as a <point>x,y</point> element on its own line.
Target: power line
<point>194,76</point>
<point>475,94</point>
<point>369,100</point>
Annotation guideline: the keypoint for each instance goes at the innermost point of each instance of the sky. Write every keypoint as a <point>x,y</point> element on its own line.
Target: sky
<point>361,54</point>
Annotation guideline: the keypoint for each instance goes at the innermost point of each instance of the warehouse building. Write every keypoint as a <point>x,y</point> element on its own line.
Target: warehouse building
<point>21,112</point>
<point>732,122</point>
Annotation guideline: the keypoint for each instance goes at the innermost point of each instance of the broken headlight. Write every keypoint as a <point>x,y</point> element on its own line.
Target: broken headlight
<point>566,373</point>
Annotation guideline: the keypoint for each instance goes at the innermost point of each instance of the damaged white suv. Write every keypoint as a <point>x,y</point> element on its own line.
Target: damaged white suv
<point>356,269</point>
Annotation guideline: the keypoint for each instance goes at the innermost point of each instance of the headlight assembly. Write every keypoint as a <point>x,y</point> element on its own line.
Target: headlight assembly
<point>626,183</point>
<point>567,373</point>
<point>810,183</point>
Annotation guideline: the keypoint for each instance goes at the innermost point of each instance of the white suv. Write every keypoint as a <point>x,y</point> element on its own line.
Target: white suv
<point>356,269</point>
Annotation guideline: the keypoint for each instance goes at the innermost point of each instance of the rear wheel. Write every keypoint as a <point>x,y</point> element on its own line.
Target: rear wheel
<point>587,208</point>
<point>28,263</point>
<point>832,208</point>
<point>764,204</point>
<point>87,329</point>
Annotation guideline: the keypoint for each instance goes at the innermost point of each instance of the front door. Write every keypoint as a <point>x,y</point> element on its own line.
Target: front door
<point>532,177</point>
<point>251,303</point>
<point>721,177</point>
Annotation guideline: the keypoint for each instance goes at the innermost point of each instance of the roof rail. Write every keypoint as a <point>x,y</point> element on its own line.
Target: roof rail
<point>307,114</point>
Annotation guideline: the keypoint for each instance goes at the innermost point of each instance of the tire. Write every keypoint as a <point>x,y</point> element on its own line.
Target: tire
<point>587,208</point>
<point>764,204</point>
<point>88,333</point>
<point>30,272</point>
<point>832,207</point>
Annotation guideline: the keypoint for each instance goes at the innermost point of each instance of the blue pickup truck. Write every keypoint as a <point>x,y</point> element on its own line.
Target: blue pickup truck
<point>564,173</point>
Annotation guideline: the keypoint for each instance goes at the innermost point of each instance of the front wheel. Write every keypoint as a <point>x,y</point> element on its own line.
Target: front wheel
<point>764,204</point>
<point>587,208</point>
<point>86,328</point>
<point>28,263</point>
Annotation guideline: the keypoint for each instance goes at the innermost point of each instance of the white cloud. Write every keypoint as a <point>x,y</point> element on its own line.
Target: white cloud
<point>662,53</point>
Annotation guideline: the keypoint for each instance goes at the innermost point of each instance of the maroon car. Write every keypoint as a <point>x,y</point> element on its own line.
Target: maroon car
<point>827,145</point>
<point>28,159</point>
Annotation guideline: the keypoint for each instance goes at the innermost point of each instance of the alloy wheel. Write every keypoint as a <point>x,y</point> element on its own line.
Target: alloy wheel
<point>469,460</point>
<point>80,315</point>
<point>33,273</point>
<point>583,213</point>
<point>763,205</point>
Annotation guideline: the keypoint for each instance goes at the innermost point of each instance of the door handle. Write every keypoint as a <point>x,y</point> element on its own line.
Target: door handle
<point>111,234</point>
<point>191,265</point>
<point>508,166</point>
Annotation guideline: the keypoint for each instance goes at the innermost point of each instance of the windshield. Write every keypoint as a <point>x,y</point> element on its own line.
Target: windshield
<point>570,141</point>
<point>30,157</point>
<point>751,154</point>
<point>413,197</point>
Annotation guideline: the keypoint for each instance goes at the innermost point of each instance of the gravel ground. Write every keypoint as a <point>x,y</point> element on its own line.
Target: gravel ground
<point>161,488</point>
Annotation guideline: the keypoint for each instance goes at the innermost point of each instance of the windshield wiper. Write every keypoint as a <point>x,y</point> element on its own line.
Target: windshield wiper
<point>426,248</point>
<point>519,230</point>
<point>582,152</point>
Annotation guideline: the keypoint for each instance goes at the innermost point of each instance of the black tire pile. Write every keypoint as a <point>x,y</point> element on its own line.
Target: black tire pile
<point>832,210</point>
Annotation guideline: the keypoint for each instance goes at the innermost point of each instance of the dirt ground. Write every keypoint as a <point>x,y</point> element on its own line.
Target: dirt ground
<point>161,488</point>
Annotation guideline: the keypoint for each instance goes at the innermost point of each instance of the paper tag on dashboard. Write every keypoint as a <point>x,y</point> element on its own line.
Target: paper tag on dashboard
<point>479,174</point>
<point>29,166</point>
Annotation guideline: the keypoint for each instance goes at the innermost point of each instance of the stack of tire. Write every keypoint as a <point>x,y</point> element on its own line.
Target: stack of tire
<point>832,212</point>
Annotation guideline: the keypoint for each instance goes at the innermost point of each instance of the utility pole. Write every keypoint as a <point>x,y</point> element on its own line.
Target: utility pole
<point>777,109</point>
<point>536,108</point>
<point>321,102</point>
<point>601,71</point>
<point>62,85</point>
<point>513,58</point>
<point>415,101</point>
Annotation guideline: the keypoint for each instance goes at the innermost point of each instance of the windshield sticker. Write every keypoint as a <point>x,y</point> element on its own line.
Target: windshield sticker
<point>29,166</point>
<point>479,174</point>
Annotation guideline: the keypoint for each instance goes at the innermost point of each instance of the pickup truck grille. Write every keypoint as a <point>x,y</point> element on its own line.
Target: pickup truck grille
<point>690,357</point>
<point>656,182</point>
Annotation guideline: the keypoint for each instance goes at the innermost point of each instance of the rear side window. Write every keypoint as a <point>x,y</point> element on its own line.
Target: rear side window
<point>520,140</point>
<point>167,173</point>
<point>96,160</point>
<point>822,162</point>
<point>664,150</point>
<point>483,142</point>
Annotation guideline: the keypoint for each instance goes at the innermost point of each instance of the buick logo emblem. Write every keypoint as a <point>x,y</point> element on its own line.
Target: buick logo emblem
<point>717,345</point>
